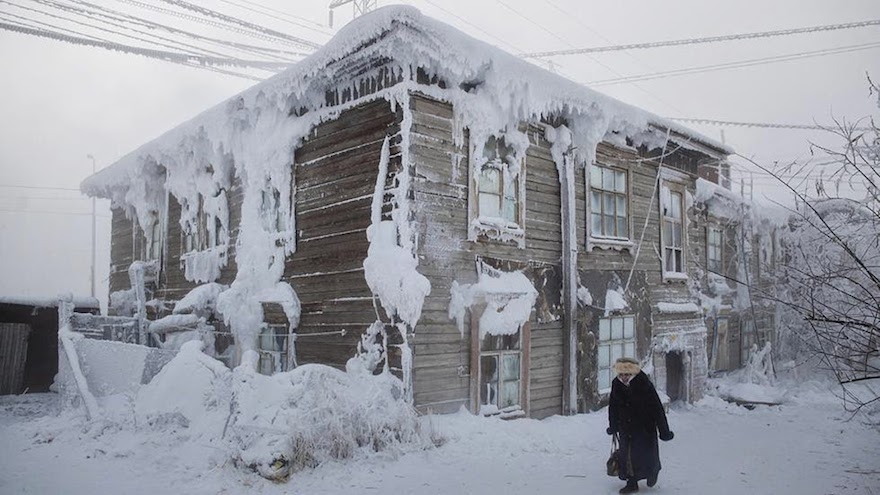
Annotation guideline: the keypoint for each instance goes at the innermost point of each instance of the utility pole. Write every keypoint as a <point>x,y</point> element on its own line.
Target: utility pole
<point>359,7</point>
<point>94,222</point>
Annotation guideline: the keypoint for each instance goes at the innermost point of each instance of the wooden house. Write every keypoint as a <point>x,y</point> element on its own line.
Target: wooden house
<point>511,232</point>
<point>739,269</point>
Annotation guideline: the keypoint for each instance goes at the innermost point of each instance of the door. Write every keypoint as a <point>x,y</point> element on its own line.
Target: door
<point>674,376</point>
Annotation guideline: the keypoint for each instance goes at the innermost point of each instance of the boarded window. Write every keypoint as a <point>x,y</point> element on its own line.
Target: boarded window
<point>617,339</point>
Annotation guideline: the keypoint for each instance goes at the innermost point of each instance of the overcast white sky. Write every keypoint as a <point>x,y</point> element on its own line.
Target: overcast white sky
<point>61,102</point>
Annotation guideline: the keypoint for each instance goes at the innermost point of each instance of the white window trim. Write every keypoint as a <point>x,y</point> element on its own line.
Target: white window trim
<point>495,228</point>
<point>619,244</point>
<point>674,181</point>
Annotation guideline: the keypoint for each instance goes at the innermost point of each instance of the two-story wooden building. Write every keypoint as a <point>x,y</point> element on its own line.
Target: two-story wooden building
<point>511,231</point>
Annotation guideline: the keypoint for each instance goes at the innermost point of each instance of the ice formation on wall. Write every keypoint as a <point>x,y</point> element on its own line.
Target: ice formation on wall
<point>509,299</point>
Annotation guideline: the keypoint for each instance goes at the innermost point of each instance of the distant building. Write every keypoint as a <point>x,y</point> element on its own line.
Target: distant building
<point>29,341</point>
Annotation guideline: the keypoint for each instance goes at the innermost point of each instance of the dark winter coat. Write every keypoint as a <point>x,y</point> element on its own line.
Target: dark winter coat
<point>635,412</point>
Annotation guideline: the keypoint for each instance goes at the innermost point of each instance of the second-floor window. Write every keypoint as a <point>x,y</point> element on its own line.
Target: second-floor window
<point>714,243</point>
<point>154,238</point>
<point>496,198</point>
<point>499,184</point>
<point>672,233</point>
<point>609,217</point>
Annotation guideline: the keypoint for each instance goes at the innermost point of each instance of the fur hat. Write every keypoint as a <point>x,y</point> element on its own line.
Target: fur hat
<point>627,366</point>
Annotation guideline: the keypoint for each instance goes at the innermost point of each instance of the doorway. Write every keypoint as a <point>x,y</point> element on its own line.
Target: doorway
<point>675,381</point>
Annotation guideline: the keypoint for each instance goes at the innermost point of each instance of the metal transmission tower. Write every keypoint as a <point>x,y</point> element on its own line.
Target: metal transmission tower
<point>359,7</point>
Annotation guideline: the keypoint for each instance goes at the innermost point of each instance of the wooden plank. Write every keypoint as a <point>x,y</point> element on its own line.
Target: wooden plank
<point>13,356</point>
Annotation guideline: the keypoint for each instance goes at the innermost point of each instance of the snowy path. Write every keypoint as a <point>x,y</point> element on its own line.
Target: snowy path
<point>803,447</point>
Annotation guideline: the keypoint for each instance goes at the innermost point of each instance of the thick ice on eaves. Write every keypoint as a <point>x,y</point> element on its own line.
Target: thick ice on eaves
<point>527,90</point>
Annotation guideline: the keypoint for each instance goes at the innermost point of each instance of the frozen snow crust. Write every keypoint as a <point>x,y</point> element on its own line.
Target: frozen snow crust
<point>278,424</point>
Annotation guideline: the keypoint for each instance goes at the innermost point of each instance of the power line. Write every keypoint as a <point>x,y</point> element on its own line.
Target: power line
<point>598,62</point>
<point>209,22</point>
<point>233,20</point>
<point>197,61</point>
<point>279,12</point>
<point>710,39</point>
<point>735,65</point>
<point>243,47</point>
<point>765,125</point>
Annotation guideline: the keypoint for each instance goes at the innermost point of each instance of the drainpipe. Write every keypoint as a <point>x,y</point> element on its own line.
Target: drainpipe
<point>569,283</point>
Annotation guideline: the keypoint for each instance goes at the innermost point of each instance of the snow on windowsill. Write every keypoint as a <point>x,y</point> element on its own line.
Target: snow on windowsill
<point>204,266</point>
<point>665,307</point>
<point>675,277</point>
<point>603,243</point>
<point>509,412</point>
<point>498,229</point>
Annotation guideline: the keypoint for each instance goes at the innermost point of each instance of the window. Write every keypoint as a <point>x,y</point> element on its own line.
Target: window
<point>154,237</point>
<point>500,359</point>
<point>714,242</point>
<point>206,230</point>
<point>270,211</point>
<point>608,203</point>
<point>672,232</point>
<point>273,349</point>
<point>616,340</point>
<point>500,372</point>
<point>497,207</point>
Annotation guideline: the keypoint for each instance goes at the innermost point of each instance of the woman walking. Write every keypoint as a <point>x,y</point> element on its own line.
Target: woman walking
<point>636,415</point>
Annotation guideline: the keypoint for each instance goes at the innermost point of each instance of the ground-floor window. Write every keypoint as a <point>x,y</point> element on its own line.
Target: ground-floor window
<point>500,371</point>
<point>616,340</point>
<point>273,350</point>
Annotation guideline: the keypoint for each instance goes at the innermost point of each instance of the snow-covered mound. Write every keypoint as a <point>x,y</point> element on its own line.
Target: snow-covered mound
<point>281,423</point>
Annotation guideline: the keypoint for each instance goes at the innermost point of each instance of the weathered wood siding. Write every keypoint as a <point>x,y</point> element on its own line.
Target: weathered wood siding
<point>13,355</point>
<point>122,240</point>
<point>334,177</point>
<point>441,355</point>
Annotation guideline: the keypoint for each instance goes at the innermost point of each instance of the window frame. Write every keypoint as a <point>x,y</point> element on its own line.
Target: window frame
<point>153,243</point>
<point>713,263</point>
<point>668,187</point>
<point>602,191</point>
<point>476,371</point>
<point>280,333</point>
<point>610,343</point>
<point>484,228</point>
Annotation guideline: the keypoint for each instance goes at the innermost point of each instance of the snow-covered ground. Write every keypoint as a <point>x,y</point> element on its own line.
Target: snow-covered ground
<point>805,446</point>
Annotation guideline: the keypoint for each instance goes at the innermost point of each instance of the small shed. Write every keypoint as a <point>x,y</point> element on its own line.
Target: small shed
<point>29,341</point>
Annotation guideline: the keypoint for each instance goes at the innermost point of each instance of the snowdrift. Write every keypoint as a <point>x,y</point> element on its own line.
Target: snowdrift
<point>279,424</point>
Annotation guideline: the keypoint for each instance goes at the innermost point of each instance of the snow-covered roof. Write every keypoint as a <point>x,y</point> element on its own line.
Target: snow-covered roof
<point>511,87</point>
<point>50,302</point>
